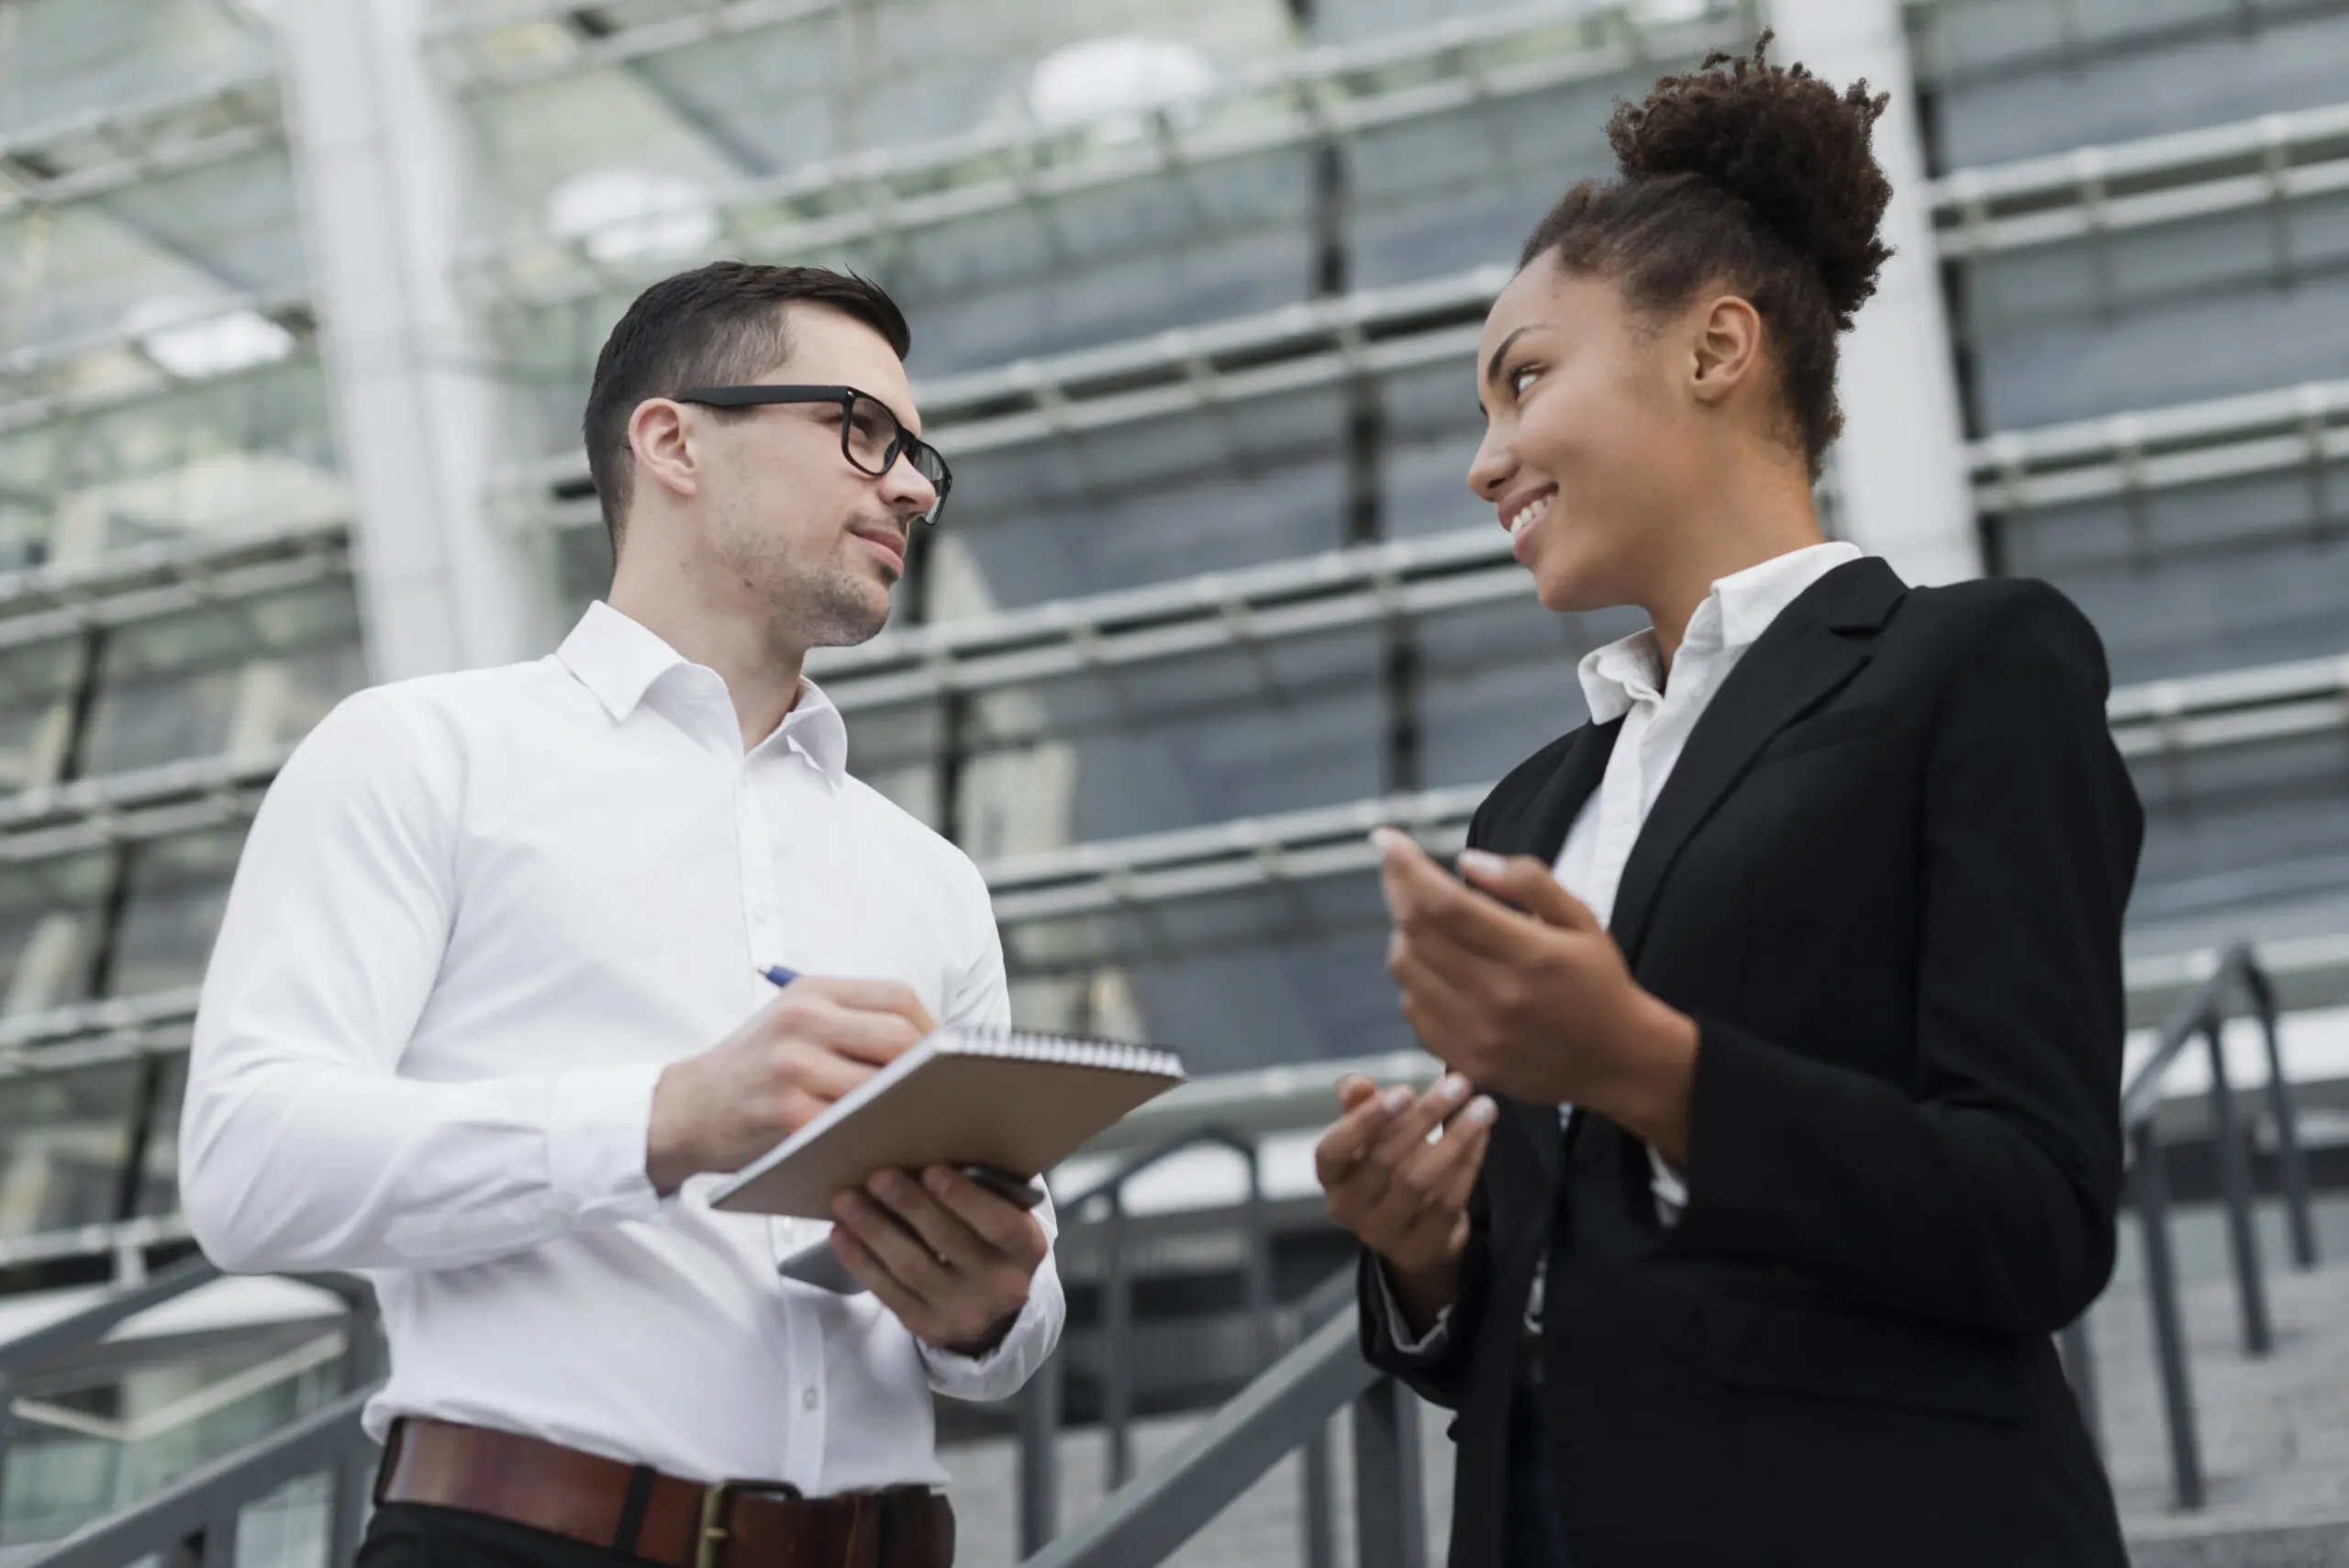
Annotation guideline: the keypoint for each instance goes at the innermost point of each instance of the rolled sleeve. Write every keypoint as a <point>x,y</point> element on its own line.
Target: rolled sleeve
<point>1006,1369</point>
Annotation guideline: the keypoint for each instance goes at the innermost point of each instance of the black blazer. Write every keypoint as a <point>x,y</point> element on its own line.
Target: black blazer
<point>1886,878</point>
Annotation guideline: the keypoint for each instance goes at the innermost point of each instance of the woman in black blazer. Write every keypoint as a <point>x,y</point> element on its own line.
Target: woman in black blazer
<point>1833,982</point>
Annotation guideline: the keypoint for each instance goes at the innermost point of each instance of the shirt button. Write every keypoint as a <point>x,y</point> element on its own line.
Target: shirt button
<point>808,1400</point>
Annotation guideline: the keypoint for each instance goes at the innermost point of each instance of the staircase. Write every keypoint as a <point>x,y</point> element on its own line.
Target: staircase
<point>2274,1430</point>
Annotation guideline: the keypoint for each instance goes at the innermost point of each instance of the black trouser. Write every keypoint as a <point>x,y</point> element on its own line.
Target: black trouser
<point>1537,1529</point>
<point>408,1535</point>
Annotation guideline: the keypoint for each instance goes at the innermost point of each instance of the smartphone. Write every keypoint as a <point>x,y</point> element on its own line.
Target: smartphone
<point>819,1265</point>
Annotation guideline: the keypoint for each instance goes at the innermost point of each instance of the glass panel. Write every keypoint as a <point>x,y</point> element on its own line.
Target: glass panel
<point>177,888</point>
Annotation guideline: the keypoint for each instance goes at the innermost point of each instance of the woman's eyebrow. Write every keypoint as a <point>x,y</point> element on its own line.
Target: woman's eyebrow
<point>1493,365</point>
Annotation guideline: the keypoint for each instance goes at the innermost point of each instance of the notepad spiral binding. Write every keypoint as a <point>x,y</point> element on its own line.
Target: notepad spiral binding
<point>1075,1051</point>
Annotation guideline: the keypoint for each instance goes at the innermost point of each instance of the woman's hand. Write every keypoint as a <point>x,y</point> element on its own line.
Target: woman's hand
<point>1534,1001</point>
<point>1404,1194</point>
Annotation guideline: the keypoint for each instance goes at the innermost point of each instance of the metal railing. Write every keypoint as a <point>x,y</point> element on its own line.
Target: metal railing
<point>1100,1217</point>
<point>1149,1516</point>
<point>1288,1408</point>
<point>193,1520</point>
<point>2203,1017</point>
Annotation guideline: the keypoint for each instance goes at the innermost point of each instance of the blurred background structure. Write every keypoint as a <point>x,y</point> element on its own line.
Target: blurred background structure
<point>297,309</point>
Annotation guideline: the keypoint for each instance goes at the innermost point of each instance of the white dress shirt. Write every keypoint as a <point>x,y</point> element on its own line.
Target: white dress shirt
<point>1627,680</point>
<point>477,915</point>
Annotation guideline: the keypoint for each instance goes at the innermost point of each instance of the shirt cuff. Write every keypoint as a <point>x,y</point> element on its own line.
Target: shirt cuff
<point>1670,1186</point>
<point>1427,1346</point>
<point>597,1134</point>
<point>1002,1371</point>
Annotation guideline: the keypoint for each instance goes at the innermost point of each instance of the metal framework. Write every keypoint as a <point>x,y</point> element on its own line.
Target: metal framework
<point>123,145</point>
<point>480,53</point>
<point>1318,97</point>
<point>2189,715</point>
<point>2304,427</point>
<point>60,404</point>
<point>2305,972</point>
<point>2121,28</point>
<point>1323,342</point>
<point>152,580</point>
<point>1377,332</point>
<point>35,359</point>
<point>2090,191</point>
<point>1405,578</point>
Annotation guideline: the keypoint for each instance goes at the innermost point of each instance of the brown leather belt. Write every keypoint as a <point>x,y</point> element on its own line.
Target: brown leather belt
<point>638,1511</point>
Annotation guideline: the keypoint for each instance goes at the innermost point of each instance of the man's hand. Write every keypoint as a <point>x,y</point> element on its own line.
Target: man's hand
<point>1534,1001</point>
<point>1404,1197</point>
<point>955,1263</point>
<point>817,1040</point>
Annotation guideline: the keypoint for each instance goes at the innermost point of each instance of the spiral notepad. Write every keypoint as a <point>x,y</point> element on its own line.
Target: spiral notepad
<point>1020,1101</point>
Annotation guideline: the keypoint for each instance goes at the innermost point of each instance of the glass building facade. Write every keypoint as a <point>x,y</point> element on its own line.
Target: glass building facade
<point>1195,288</point>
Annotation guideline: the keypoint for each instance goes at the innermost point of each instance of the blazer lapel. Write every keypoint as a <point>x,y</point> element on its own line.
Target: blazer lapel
<point>1803,659</point>
<point>1538,826</point>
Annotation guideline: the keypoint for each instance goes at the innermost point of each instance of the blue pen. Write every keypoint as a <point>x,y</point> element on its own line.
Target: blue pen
<point>780,975</point>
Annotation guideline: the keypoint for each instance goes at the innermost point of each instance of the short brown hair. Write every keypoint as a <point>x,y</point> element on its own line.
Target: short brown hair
<point>714,326</point>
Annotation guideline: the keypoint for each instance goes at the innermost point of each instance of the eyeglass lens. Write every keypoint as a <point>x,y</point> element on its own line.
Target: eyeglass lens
<point>874,438</point>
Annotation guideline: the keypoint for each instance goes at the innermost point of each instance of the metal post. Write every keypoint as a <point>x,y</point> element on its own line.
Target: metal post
<point>1117,1344</point>
<point>2291,1164</point>
<point>2079,1370</point>
<point>1390,1518</point>
<point>1040,1458</point>
<point>7,1431</point>
<point>211,1545</point>
<point>1321,1539</point>
<point>2152,1182</point>
<point>2228,1147</point>
<point>350,1483</point>
<point>1258,1279</point>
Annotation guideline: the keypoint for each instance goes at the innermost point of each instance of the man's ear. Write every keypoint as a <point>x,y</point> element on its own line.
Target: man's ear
<point>1725,346</point>
<point>660,439</point>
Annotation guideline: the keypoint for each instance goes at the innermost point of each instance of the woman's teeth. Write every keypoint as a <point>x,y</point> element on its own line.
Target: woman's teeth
<point>1527,516</point>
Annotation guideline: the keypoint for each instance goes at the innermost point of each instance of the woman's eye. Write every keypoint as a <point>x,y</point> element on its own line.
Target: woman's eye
<point>1518,379</point>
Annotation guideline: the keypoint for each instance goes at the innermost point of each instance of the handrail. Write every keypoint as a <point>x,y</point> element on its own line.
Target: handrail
<point>197,1514</point>
<point>1144,1520</point>
<point>1287,1407</point>
<point>89,1324</point>
<point>1039,1401</point>
<point>2204,1016</point>
<point>195,1518</point>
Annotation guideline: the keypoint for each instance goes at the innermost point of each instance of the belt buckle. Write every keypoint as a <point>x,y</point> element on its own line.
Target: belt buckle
<point>712,1535</point>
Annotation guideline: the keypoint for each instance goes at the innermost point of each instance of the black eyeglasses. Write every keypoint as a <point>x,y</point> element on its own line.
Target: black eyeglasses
<point>871,436</point>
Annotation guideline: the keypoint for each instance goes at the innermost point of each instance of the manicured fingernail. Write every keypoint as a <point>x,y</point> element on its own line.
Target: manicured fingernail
<point>1385,837</point>
<point>938,1180</point>
<point>1454,1086</point>
<point>1397,1097</point>
<point>1481,1110</point>
<point>1482,863</point>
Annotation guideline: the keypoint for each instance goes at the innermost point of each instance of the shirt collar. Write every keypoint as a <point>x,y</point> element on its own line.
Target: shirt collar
<point>618,660</point>
<point>1733,616</point>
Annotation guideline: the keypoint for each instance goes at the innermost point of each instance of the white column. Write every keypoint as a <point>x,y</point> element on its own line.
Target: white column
<point>379,150</point>
<point>1901,466</point>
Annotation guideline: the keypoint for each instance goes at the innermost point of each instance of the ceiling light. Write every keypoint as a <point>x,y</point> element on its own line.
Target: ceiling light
<point>1116,79</point>
<point>622,215</point>
<point>192,345</point>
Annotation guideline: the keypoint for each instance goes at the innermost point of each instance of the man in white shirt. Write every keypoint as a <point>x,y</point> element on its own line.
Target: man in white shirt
<point>487,1016</point>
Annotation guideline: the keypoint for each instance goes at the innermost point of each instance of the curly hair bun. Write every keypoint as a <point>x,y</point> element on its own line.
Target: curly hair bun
<point>1782,141</point>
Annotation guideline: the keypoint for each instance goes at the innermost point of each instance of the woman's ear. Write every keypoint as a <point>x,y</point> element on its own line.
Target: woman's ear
<point>1727,344</point>
<point>662,445</point>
